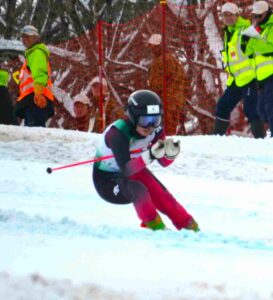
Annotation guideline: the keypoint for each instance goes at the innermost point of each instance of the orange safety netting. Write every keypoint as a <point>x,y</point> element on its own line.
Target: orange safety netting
<point>186,72</point>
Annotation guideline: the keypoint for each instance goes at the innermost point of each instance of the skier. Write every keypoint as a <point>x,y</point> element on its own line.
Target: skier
<point>125,178</point>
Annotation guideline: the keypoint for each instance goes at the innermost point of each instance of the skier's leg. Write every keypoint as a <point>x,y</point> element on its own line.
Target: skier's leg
<point>143,204</point>
<point>165,202</point>
<point>121,190</point>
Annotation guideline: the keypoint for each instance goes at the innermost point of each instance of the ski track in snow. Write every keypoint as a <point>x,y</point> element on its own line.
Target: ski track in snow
<point>19,222</point>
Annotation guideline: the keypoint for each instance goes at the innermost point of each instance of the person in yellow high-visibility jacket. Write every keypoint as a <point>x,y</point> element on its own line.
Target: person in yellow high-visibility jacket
<point>241,82</point>
<point>260,46</point>
<point>35,101</point>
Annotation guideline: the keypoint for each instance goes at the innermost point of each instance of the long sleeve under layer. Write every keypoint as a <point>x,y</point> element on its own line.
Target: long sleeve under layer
<point>120,145</point>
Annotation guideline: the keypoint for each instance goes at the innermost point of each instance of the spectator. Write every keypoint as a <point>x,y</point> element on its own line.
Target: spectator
<point>111,108</point>
<point>175,82</point>
<point>35,101</point>
<point>6,108</point>
<point>83,114</point>
<point>260,46</point>
<point>125,178</point>
<point>241,82</point>
<point>82,120</point>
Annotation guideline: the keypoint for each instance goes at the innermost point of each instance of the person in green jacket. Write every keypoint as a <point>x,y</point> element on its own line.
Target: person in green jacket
<point>260,47</point>
<point>241,82</point>
<point>35,101</point>
<point>6,108</point>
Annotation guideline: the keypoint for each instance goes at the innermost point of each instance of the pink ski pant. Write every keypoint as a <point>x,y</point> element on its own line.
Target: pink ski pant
<point>151,195</point>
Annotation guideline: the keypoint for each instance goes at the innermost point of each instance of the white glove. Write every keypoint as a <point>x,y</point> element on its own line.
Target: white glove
<point>155,152</point>
<point>158,150</point>
<point>252,32</point>
<point>172,148</point>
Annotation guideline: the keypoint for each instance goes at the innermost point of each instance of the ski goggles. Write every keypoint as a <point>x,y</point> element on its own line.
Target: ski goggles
<point>149,121</point>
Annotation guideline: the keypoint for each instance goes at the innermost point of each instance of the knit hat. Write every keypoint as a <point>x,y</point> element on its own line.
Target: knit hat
<point>260,7</point>
<point>155,39</point>
<point>29,30</point>
<point>97,80</point>
<point>81,98</point>
<point>231,8</point>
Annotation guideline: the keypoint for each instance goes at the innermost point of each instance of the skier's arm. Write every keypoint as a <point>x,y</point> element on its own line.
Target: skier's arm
<point>119,145</point>
<point>37,62</point>
<point>164,161</point>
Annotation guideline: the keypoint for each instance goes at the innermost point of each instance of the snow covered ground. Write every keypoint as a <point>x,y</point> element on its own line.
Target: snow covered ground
<point>59,240</point>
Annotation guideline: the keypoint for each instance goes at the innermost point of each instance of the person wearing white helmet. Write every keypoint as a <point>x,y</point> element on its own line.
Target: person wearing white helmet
<point>35,101</point>
<point>79,117</point>
<point>241,82</point>
<point>260,46</point>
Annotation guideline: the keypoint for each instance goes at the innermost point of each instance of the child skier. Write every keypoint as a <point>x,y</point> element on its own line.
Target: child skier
<point>125,178</point>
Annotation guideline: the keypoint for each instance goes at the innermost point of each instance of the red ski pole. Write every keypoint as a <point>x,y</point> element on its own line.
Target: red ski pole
<point>50,170</point>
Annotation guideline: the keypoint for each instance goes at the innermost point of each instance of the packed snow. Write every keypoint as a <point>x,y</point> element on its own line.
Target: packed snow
<point>59,240</point>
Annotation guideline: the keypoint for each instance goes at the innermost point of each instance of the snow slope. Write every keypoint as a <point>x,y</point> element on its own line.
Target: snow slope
<point>59,240</point>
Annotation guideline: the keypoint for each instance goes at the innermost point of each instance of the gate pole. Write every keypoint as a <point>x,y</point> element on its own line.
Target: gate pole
<point>163,4</point>
<point>100,53</point>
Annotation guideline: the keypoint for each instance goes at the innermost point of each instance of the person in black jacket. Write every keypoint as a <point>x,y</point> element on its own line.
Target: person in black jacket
<point>6,108</point>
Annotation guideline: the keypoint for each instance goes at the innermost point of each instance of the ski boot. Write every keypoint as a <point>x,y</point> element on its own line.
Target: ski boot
<point>192,226</point>
<point>156,224</point>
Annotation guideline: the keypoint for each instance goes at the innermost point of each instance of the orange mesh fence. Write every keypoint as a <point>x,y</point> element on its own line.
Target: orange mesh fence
<point>184,68</point>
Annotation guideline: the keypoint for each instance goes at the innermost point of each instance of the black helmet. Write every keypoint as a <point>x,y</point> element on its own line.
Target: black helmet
<point>144,103</point>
